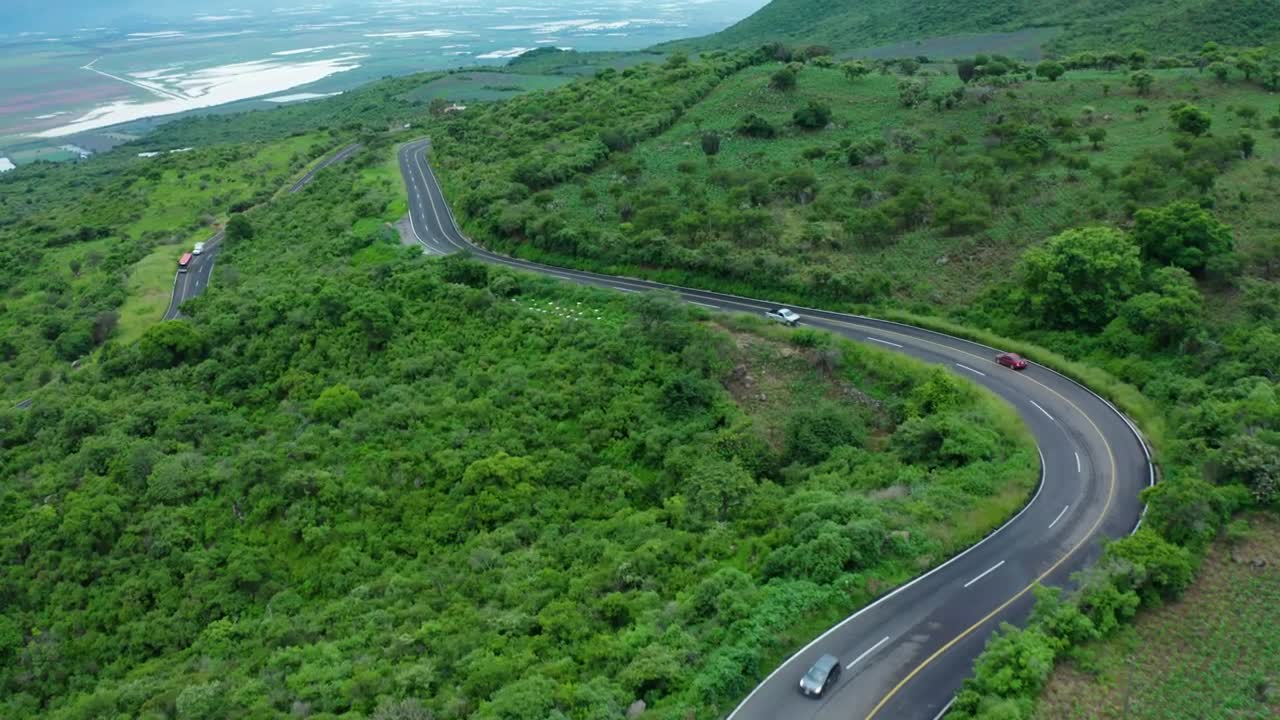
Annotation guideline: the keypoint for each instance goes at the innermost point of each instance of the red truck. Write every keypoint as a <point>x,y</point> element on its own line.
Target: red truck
<point>184,263</point>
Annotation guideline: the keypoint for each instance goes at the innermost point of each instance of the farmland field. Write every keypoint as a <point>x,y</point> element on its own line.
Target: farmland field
<point>1213,654</point>
<point>474,86</point>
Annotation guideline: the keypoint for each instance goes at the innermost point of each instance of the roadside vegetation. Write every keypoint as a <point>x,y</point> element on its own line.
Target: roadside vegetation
<point>87,247</point>
<point>361,481</point>
<point>1103,208</point>
<point>1181,660</point>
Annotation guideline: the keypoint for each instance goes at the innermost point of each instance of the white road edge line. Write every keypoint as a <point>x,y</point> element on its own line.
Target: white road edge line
<point>988,572</point>
<point>883,342</point>
<point>976,372</point>
<point>1078,469</point>
<point>1040,487</point>
<point>1046,412</point>
<point>1055,520</point>
<point>945,708</point>
<point>1133,428</point>
<point>899,589</point>
<point>622,289</point>
<point>705,305</point>
<point>869,650</point>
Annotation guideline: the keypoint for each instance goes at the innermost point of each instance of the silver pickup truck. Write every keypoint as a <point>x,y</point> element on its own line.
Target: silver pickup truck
<point>784,316</point>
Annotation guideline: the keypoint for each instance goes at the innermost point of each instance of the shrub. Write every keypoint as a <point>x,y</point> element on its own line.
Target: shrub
<point>752,125</point>
<point>615,140</point>
<point>813,116</point>
<point>1190,119</point>
<point>1142,81</point>
<point>335,403</point>
<point>1050,69</point>
<point>813,431</point>
<point>1186,510</point>
<point>710,143</point>
<point>783,80</point>
<point>169,343</point>
<point>1166,569</point>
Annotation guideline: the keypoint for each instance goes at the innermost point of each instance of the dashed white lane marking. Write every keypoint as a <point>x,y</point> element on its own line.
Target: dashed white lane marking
<point>1078,469</point>
<point>1046,412</point>
<point>869,650</point>
<point>1055,520</point>
<point>988,572</point>
<point>966,367</point>
<point>883,342</point>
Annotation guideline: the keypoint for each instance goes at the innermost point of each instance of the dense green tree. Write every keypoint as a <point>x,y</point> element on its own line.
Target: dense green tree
<point>1168,312</point>
<point>1142,81</point>
<point>1186,510</point>
<point>615,140</point>
<point>1182,234</point>
<point>855,69</point>
<point>239,228</point>
<point>1050,69</point>
<point>813,432</point>
<point>716,488</point>
<point>1190,119</point>
<point>1079,279</point>
<point>1166,569</point>
<point>1255,463</point>
<point>169,343</point>
<point>335,403</point>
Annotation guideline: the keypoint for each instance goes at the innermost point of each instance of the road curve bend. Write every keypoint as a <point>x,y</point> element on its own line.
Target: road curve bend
<point>196,280</point>
<point>906,654</point>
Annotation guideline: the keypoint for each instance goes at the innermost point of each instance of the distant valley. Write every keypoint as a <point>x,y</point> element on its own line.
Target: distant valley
<point>60,89</point>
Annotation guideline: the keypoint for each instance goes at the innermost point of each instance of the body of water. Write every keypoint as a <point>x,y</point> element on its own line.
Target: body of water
<point>82,80</point>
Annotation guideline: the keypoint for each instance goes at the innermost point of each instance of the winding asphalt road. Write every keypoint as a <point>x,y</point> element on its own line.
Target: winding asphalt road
<point>195,280</point>
<point>907,653</point>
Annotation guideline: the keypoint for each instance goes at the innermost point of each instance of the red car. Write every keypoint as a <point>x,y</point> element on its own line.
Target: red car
<point>1011,360</point>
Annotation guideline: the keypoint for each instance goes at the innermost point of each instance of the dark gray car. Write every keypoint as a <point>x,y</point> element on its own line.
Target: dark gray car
<point>821,676</point>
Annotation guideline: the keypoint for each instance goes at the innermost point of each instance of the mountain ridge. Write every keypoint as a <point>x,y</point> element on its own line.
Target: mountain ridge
<point>1159,26</point>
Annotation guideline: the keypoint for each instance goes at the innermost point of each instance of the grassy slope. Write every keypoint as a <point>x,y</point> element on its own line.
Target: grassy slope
<point>927,265</point>
<point>148,209</point>
<point>1160,25</point>
<point>176,201</point>
<point>1213,654</point>
<point>483,85</point>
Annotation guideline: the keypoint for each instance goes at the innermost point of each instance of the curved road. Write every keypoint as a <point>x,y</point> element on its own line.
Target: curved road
<point>907,653</point>
<point>196,279</point>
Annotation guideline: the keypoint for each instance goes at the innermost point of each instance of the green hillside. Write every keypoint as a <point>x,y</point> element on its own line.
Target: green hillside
<point>355,481</point>
<point>1159,25</point>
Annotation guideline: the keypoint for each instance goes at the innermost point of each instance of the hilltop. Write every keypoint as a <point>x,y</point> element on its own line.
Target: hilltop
<point>1158,26</point>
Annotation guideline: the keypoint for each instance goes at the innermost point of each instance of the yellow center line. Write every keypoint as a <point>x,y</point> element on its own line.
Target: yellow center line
<point>1096,524</point>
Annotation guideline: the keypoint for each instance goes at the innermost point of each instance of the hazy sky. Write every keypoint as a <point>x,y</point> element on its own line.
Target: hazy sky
<point>60,15</point>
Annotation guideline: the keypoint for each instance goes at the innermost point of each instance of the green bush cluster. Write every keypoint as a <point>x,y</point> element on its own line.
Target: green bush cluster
<point>357,481</point>
<point>1143,570</point>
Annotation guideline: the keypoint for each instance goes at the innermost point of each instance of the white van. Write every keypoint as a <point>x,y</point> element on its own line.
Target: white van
<point>199,248</point>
